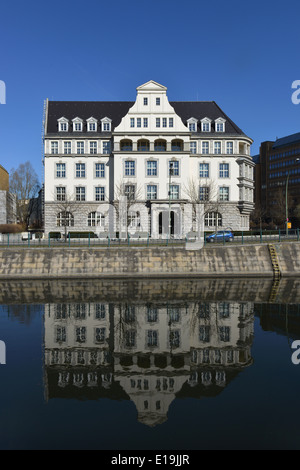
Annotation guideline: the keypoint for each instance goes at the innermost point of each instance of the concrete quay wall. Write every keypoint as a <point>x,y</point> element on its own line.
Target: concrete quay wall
<point>215,261</point>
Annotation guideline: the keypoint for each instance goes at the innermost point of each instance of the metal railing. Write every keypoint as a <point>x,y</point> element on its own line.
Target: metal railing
<point>241,238</point>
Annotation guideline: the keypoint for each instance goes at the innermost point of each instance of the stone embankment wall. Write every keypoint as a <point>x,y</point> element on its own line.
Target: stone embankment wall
<point>222,261</point>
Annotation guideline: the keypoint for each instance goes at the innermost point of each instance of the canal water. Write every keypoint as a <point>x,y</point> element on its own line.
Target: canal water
<point>150,364</point>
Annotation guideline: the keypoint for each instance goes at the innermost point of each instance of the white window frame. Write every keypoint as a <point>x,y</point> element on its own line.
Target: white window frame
<point>106,124</point>
<point>203,170</point>
<point>60,170</point>
<point>54,147</point>
<point>92,122</point>
<point>206,122</point>
<point>63,124</point>
<point>100,193</point>
<point>99,170</point>
<point>77,124</point>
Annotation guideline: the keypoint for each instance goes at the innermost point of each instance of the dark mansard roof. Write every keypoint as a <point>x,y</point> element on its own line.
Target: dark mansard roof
<point>116,110</point>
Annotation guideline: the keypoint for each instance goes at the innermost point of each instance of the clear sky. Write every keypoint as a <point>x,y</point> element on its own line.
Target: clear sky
<point>243,55</point>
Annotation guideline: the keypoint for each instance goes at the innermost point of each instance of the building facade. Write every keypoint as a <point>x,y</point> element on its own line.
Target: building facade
<point>7,200</point>
<point>145,167</point>
<point>277,179</point>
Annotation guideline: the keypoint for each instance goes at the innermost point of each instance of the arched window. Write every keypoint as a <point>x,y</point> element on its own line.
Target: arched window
<point>126,145</point>
<point>65,219</point>
<point>134,219</point>
<point>177,145</point>
<point>96,219</point>
<point>143,145</point>
<point>160,146</point>
<point>213,219</point>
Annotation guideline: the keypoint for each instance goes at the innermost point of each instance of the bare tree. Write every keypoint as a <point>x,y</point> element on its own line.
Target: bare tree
<point>25,184</point>
<point>66,207</point>
<point>206,195</point>
<point>132,194</point>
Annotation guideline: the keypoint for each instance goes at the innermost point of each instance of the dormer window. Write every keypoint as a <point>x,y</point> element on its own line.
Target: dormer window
<point>192,124</point>
<point>77,124</point>
<point>63,124</point>
<point>206,125</point>
<point>91,124</point>
<point>220,125</point>
<point>106,124</point>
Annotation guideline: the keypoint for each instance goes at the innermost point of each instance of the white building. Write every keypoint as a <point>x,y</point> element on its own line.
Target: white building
<point>166,157</point>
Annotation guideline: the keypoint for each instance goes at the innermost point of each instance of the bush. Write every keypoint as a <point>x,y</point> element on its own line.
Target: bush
<point>11,228</point>
<point>82,235</point>
<point>55,235</point>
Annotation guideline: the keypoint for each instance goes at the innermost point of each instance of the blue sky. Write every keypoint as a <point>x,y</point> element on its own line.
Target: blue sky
<point>243,55</point>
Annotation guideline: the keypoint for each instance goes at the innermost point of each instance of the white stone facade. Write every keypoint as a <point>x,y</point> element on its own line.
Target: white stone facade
<point>166,158</point>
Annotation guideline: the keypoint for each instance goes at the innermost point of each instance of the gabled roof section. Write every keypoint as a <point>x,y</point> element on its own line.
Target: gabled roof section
<point>205,109</point>
<point>151,86</point>
<point>116,110</point>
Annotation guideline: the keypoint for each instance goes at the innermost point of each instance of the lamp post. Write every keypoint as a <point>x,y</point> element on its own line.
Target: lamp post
<point>170,174</point>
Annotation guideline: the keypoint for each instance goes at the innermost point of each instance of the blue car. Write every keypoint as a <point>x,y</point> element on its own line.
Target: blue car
<point>220,236</point>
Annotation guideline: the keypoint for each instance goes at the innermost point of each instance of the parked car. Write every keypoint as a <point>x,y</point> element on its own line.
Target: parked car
<point>221,235</point>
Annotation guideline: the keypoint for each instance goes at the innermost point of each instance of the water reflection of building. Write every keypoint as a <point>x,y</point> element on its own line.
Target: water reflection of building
<point>148,353</point>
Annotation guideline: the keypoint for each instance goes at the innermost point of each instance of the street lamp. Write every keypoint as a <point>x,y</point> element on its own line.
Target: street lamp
<point>171,169</point>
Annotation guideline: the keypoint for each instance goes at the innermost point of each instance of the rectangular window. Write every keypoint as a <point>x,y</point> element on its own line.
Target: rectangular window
<point>204,170</point>
<point>203,193</point>
<point>217,148</point>
<point>60,170</point>
<point>80,148</point>
<point>54,148</point>
<point>205,127</point>
<point>92,126</point>
<point>93,147</point>
<point>100,335</point>
<point>224,193</point>
<point>164,122</point>
<point>63,126</point>
<point>171,122</point>
<point>129,191</point>
<point>157,101</point>
<point>157,122</point>
<point>220,127</point>
<point>67,148</point>
<point>174,168</point>
<point>138,122</point>
<point>99,193</point>
<point>78,126</point>
<point>61,193</point>
<point>224,170</point>
<point>174,191</point>
<point>193,147</point>
<point>80,193</point>
<point>130,168</point>
<point>106,148</point>
<point>145,101</point>
<point>229,148</point>
<point>151,191</point>
<point>100,170</point>
<point>106,126</point>
<point>145,122</point>
<point>192,127</point>
<point>151,168</point>
<point>152,338</point>
<point>205,148</point>
<point>131,122</point>
<point>80,170</point>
